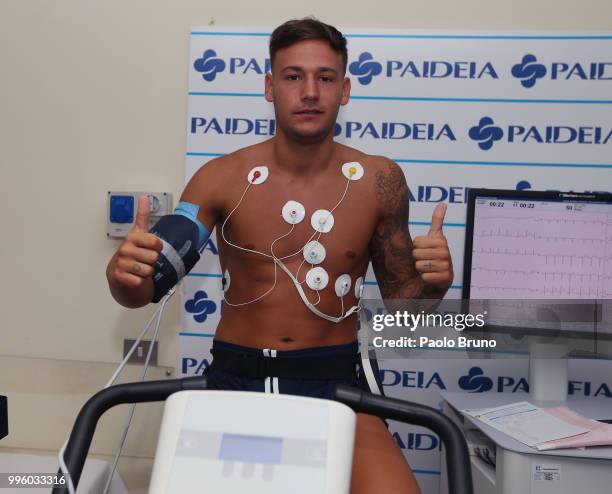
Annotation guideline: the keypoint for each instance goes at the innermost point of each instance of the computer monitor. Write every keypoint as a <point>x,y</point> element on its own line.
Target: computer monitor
<point>538,245</point>
<point>540,262</point>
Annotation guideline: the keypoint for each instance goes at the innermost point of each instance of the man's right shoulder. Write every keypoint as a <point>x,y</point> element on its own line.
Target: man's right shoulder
<point>221,176</point>
<point>232,165</point>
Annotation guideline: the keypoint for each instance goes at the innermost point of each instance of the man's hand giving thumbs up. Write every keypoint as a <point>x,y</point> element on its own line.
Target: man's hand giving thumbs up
<point>431,253</point>
<point>130,270</point>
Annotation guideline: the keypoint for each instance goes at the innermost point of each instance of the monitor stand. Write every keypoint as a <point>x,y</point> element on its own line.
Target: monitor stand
<point>548,372</point>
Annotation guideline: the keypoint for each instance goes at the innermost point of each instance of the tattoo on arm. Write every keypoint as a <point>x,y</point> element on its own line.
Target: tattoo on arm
<point>391,245</point>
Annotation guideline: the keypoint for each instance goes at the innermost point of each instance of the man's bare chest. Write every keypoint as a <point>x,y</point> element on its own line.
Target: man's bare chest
<point>312,221</point>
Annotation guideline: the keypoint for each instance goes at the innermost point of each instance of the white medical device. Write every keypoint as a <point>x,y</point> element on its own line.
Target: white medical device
<point>233,442</point>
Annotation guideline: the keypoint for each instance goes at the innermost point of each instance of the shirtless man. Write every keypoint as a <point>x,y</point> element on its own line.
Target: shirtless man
<point>307,85</point>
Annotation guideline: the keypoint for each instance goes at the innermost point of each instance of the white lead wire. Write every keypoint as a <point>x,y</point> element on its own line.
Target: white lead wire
<point>158,312</point>
<point>133,406</point>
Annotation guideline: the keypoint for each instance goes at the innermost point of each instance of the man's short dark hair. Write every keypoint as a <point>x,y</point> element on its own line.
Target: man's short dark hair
<point>297,30</point>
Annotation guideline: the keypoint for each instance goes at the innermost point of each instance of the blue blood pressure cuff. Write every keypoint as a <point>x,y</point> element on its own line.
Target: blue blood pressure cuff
<point>183,236</point>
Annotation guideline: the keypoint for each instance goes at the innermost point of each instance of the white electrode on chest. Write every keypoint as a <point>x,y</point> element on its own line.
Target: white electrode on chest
<point>236,441</point>
<point>225,281</point>
<point>359,287</point>
<point>314,252</point>
<point>258,175</point>
<point>343,285</point>
<point>322,221</point>
<point>293,212</point>
<point>352,170</point>
<point>317,278</point>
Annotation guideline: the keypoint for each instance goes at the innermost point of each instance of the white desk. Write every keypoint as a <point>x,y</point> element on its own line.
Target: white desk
<point>570,471</point>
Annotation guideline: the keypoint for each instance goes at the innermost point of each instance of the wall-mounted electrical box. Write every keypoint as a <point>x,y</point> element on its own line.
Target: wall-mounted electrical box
<point>121,210</point>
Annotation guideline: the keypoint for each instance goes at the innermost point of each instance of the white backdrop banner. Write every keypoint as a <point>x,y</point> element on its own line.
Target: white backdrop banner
<point>456,111</point>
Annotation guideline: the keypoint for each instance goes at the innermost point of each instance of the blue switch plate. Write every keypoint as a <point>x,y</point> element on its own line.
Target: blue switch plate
<point>122,209</point>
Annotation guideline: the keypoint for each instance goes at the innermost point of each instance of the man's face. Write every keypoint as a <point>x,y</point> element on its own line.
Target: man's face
<point>307,87</point>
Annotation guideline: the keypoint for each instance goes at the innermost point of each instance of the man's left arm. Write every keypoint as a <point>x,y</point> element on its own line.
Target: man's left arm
<point>404,268</point>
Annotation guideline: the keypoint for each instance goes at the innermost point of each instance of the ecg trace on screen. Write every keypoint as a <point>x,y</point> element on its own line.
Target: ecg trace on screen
<point>541,250</point>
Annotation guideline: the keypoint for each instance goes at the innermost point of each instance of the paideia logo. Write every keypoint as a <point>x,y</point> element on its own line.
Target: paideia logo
<point>530,70</point>
<point>474,381</point>
<point>366,68</point>
<point>486,133</point>
<point>211,64</point>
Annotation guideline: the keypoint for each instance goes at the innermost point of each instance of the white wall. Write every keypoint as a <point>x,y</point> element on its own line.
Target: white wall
<point>93,98</point>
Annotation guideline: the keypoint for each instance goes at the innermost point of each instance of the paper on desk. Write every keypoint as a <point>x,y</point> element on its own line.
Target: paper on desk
<point>599,434</point>
<point>527,423</point>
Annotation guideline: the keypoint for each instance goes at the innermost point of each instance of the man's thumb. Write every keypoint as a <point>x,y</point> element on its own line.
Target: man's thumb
<point>437,219</point>
<point>141,224</point>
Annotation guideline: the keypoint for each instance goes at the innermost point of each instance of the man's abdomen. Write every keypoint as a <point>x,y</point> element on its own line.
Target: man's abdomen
<point>281,320</point>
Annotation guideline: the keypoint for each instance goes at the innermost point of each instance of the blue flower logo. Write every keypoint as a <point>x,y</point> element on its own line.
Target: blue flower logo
<point>475,381</point>
<point>365,68</point>
<point>486,133</point>
<point>210,65</point>
<point>200,306</point>
<point>523,185</point>
<point>528,70</point>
